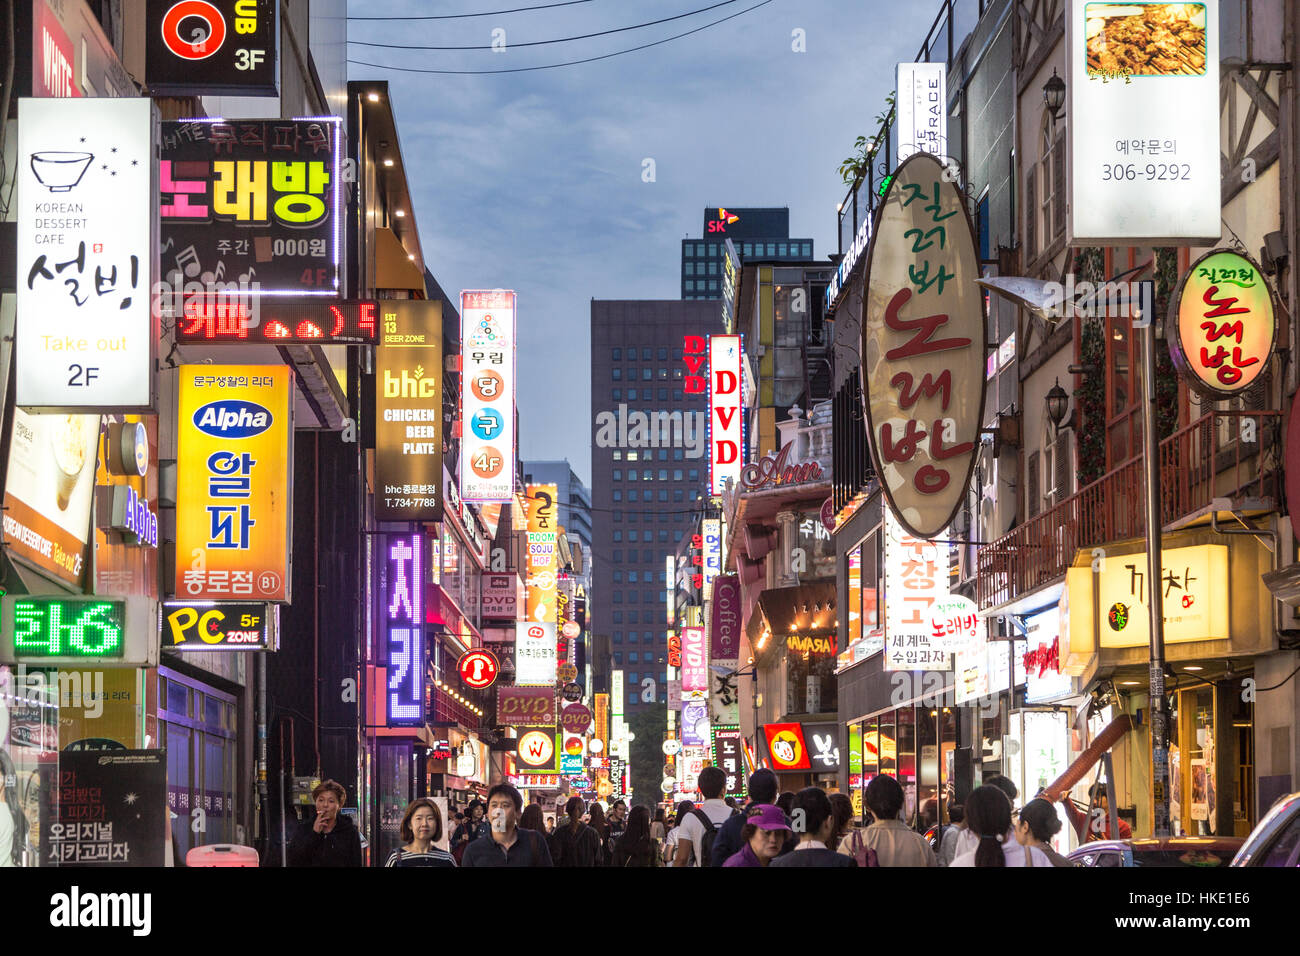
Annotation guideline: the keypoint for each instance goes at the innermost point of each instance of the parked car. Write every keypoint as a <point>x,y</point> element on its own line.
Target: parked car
<point>1276,840</point>
<point>1158,851</point>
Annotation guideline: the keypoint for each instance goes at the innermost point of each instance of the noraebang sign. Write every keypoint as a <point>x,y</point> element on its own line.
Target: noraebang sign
<point>923,347</point>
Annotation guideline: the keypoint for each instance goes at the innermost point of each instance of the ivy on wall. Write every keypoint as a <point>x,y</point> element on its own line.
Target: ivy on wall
<point>1166,269</point>
<point>1090,396</point>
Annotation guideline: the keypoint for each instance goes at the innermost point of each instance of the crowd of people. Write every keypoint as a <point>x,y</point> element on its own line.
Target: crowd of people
<point>811,828</point>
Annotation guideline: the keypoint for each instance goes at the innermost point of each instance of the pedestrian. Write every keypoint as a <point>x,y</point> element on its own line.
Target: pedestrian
<point>506,843</point>
<point>421,829</point>
<point>1037,825</point>
<point>762,790</point>
<point>988,817</point>
<point>636,847</point>
<point>533,818</point>
<point>731,802</point>
<point>700,829</point>
<point>617,820</point>
<point>332,839</point>
<point>575,843</point>
<point>816,814</point>
<point>670,841</point>
<point>601,825</point>
<point>659,825</point>
<point>951,834</point>
<point>786,802</point>
<point>888,839</point>
<point>764,834</point>
<point>967,842</point>
<point>472,826</point>
<point>1085,827</point>
<point>842,809</point>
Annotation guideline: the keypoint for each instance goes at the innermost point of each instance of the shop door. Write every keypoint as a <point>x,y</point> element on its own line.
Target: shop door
<point>196,727</point>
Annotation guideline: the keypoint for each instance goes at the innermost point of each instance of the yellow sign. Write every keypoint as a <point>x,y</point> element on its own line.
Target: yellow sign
<point>233,508</point>
<point>1226,326</point>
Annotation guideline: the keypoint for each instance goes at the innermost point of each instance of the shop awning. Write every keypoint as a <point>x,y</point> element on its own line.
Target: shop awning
<point>806,610</point>
<point>393,267</point>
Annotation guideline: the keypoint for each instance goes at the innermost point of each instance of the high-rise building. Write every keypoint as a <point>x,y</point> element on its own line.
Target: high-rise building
<point>573,502</point>
<point>759,233</point>
<point>649,469</point>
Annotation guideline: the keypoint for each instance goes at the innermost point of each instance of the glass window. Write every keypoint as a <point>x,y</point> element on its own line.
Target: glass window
<point>616,355</point>
<point>663,394</point>
<point>771,248</point>
<point>678,373</point>
<point>618,637</point>
<point>807,249</point>
<point>616,374</point>
<point>663,454</point>
<point>647,556</point>
<point>618,517</point>
<point>663,375</point>
<point>631,456</point>
<point>663,538</point>
<point>647,375</point>
<point>781,249</point>
<point>617,394</point>
<point>713,249</point>
<point>631,535</point>
<point>618,617</point>
<point>618,474</point>
<point>713,285</point>
<point>618,495</point>
<point>663,474</point>
<point>631,577</point>
<point>632,658</point>
<point>645,354</point>
<point>677,535</point>
<point>618,535</point>
<point>632,697</point>
<point>689,269</point>
<point>689,285</point>
<point>663,494</point>
<point>693,474</point>
<point>648,475</point>
<point>679,494</point>
<point>631,373</point>
<point>618,575</point>
<point>618,597</point>
<point>662,354</point>
<point>677,474</point>
<point>618,557</point>
<point>632,617</point>
<point>632,596</point>
<point>748,249</point>
<point>617,456</point>
<point>618,657</point>
<point>663,639</point>
<point>677,454</point>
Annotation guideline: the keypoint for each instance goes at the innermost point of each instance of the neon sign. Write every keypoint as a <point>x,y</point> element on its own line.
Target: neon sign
<point>724,220</point>
<point>54,627</point>
<point>726,433</point>
<point>404,702</point>
<point>240,319</point>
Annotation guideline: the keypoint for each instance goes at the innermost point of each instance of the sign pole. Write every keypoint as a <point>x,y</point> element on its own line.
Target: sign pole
<point>1143,316</point>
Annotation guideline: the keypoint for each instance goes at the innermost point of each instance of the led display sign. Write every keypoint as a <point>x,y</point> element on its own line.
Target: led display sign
<point>211,627</point>
<point>487,395</point>
<point>67,627</point>
<point>207,47</point>
<point>214,319</point>
<point>408,413</point>
<point>404,614</point>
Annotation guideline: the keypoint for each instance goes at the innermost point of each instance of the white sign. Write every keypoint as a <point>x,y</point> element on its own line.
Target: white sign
<point>726,437</point>
<point>1143,124</point>
<point>916,580</point>
<point>487,396</point>
<point>672,748</point>
<point>617,694</point>
<point>535,657</point>
<point>712,553</point>
<point>1044,679</point>
<point>87,214</point>
<point>922,109</point>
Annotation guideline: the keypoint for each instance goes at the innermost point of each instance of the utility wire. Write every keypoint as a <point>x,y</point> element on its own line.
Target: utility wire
<point>584,36</point>
<point>553,66</point>
<point>490,13</point>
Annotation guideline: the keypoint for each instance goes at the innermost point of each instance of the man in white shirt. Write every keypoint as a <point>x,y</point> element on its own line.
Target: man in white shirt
<point>714,809</point>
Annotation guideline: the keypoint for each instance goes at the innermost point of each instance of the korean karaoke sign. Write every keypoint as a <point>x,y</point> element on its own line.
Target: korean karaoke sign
<point>404,650</point>
<point>233,501</point>
<point>1224,324</point>
<point>923,347</point>
<point>252,205</point>
<point>86,230</point>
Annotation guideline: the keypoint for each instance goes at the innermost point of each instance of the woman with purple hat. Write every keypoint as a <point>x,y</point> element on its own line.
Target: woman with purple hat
<point>763,836</point>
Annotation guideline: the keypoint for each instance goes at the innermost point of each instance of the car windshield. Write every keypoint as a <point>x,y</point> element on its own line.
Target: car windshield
<point>1191,856</point>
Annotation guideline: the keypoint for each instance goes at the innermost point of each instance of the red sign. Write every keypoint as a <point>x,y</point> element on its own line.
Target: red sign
<point>575,719</point>
<point>693,355</point>
<point>236,319</point>
<point>772,470</point>
<point>1044,658</point>
<point>526,706</point>
<point>674,650</point>
<point>786,745</point>
<point>479,668</point>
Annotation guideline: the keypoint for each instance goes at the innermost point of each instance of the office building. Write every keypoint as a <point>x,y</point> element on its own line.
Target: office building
<point>762,233</point>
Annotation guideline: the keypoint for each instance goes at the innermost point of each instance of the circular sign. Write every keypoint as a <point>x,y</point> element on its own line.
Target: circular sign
<point>536,748</point>
<point>575,718</point>
<point>669,770</point>
<point>487,462</point>
<point>478,668</point>
<point>596,745</point>
<point>567,673</point>
<point>672,748</point>
<point>573,746</point>
<point>828,514</point>
<point>1117,617</point>
<point>486,424</point>
<point>1223,323</point>
<point>201,43</point>
<point>572,692</point>
<point>604,789</point>
<point>571,629</point>
<point>667,784</point>
<point>487,386</point>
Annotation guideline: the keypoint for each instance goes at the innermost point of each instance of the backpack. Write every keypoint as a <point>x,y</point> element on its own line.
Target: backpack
<point>706,841</point>
<point>865,855</point>
<point>577,849</point>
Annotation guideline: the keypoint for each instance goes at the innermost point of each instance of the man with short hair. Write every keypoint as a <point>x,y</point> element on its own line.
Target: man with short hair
<point>762,790</point>
<point>509,844</point>
<point>701,825</point>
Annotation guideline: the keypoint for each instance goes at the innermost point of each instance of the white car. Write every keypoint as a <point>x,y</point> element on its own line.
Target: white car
<point>1276,840</point>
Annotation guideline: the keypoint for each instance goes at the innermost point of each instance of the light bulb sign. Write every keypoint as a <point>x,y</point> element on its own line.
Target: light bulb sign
<point>478,668</point>
<point>67,627</point>
<point>1224,324</point>
<point>404,630</point>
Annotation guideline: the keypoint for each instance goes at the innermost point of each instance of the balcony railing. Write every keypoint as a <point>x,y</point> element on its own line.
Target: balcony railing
<point>1216,456</point>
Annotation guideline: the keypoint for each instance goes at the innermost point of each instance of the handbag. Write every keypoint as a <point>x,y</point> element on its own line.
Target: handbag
<point>865,855</point>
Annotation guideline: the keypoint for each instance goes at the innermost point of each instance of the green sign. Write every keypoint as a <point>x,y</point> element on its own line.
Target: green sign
<point>64,627</point>
<point>855,748</point>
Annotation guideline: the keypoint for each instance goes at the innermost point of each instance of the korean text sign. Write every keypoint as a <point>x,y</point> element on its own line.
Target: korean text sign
<point>1194,594</point>
<point>252,202</point>
<point>404,651</point>
<point>1142,123</point>
<point>408,412</point>
<point>695,661</point>
<point>487,395</point>
<point>1224,324</point>
<point>87,228</point>
<point>727,757</point>
<point>916,579</point>
<point>923,347</point>
<point>233,504</point>
<point>536,655</point>
<point>526,706</point>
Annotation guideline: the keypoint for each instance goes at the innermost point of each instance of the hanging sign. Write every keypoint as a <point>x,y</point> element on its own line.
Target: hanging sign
<point>210,47</point>
<point>487,396</point>
<point>478,668</point>
<point>408,413</point>
<point>923,347</point>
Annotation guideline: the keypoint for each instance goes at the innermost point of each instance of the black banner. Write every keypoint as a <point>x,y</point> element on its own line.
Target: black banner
<point>207,47</point>
<point>105,808</point>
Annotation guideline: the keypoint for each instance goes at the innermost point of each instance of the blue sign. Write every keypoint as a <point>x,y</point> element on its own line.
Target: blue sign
<point>486,424</point>
<point>571,764</point>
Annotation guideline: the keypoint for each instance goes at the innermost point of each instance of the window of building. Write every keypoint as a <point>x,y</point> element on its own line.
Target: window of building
<point>631,596</point>
<point>617,456</point>
<point>651,596</point>
<point>647,375</point>
<point>677,474</point>
<point>618,474</point>
<point>689,286</point>
<point>618,575</point>
<point>616,355</point>
<point>807,249</point>
<point>631,456</point>
<point>618,535</point>
<point>631,617</point>
<point>663,517</point>
<point>648,475</point>
<point>663,375</point>
<point>713,285</point>
<point>631,534</point>
<point>632,658</point>
<point>663,537</point>
<point>677,455</point>
<point>618,657</point>
<point>663,454</point>
<point>679,494</point>
<point>632,698</point>
<point>663,474</point>
<point>618,516</point>
<point>662,354</point>
<point>647,556</point>
<point>616,374</point>
<point>713,250</point>
<point>618,617</point>
<point>781,249</point>
<point>663,639</point>
<point>689,269</point>
<point>747,249</point>
<point>645,354</point>
<point>618,637</point>
<point>677,535</point>
<point>677,373</point>
<point>617,394</point>
<point>713,268</point>
<point>663,394</point>
<point>618,597</point>
<point>631,577</point>
<point>618,495</point>
<point>618,557</point>
<point>693,474</point>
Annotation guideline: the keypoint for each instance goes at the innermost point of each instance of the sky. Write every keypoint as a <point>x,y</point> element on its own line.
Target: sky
<point>536,181</point>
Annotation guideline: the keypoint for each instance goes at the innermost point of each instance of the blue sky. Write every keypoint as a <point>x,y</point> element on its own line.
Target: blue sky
<point>533,181</point>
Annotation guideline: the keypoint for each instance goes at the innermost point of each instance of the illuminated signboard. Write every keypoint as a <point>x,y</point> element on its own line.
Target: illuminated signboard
<point>721,221</point>
<point>404,631</point>
<point>526,706</point>
<point>695,660</point>
<point>616,693</point>
<point>1224,326</point>
<point>695,723</point>
<point>211,627</point>
<point>916,579</point>
<point>694,355</point>
<point>85,336</point>
<point>923,347</point>
<point>726,434</point>
<point>1044,679</point>
<point>233,507</point>
<point>487,395</point>
<point>786,745</point>
<point>922,109</point>
<point>730,272</point>
<point>1142,124</point>
<point>728,758</point>
<point>536,646</point>
<point>478,668</point>
<point>207,47</point>
<point>712,563</point>
<point>538,751</point>
<point>575,719</point>
<point>242,319</point>
<point>252,206</point>
<point>1194,598</point>
<point>67,627</point>
<point>408,412</point>
<point>601,730</point>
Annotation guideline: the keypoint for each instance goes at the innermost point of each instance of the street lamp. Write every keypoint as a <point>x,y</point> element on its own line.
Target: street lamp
<point>1057,404</point>
<point>1054,95</point>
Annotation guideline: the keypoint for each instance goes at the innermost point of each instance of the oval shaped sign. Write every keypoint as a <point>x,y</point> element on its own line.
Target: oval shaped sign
<point>567,673</point>
<point>923,346</point>
<point>571,629</point>
<point>575,719</point>
<point>573,692</point>
<point>1223,324</point>
<point>232,418</point>
<point>672,748</point>
<point>478,668</point>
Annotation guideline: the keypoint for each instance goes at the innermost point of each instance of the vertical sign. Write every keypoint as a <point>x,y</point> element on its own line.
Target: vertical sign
<point>233,501</point>
<point>487,396</point>
<point>695,659</point>
<point>916,576</point>
<point>87,230</point>
<point>726,435</point>
<point>601,730</point>
<point>408,412</point>
<point>616,693</point>
<point>922,109</point>
<point>535,644</point>
<point>107,808</point>
<point>712,553</point>
<point>404,629</point>
<point>727,758</point>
